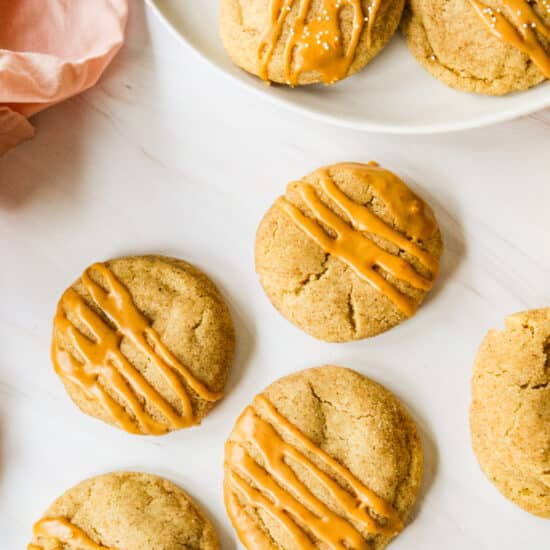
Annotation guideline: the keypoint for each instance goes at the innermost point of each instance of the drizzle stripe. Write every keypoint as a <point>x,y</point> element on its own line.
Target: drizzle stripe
<point>314,43</point>
<point>119,307</point>
<point>250,534</point>
<point>520,31</point>
<point>364,220</point>
<point>103,357</point>
<point>366,497</point>
<point>353,248</point>
<point>274,487</point>
<point>282,482</point>
<point>359,254</point>
<point>62,531</point>
<point>357,250</point>
<point>279,10</point>
<point>277,510</point>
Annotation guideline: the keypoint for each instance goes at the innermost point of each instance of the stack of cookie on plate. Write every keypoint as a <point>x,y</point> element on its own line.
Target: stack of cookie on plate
<point>484,46</point>
<point>324,458</point>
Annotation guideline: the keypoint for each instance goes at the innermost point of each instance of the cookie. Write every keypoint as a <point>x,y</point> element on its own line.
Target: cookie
<point>143,343</point>
<point>299,42</point>
<point>349,252</point>
<point>485,46</point>
<point>510,410</point>
<point>124,511</point>
<point>324,458</point>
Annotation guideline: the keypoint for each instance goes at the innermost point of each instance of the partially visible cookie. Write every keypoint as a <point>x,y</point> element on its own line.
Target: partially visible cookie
<point>324,458</point>
<point>124,511</point>
<point>510,411</point>
<point>306,41</point>
<point>348,252</point>
<point>484,46</point>
<point>144,343</point>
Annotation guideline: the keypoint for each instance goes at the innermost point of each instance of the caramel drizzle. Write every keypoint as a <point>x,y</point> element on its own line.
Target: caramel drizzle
<point>63,532</point>
<point>101,356</point>
<point>358,251</point>
<point>315,44</point>
<point>274,487</point>
<point>519,29</point>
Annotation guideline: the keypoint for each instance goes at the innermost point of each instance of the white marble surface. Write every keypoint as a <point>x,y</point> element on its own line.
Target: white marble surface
<point>168,156</point>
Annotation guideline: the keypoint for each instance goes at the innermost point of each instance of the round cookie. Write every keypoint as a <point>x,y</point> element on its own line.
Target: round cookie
<point>510,411</point>
<point>370,278</point>
<point>124,511</point>
<point>143,343</point>
<point>299,42</point>
<point>321,459</point>
<point>454,41</point>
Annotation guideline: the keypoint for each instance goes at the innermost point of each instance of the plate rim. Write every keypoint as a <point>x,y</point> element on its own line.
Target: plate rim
<point>364,126</point>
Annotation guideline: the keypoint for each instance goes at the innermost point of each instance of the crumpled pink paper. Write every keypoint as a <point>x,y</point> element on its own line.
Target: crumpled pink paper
<point>51,50</point>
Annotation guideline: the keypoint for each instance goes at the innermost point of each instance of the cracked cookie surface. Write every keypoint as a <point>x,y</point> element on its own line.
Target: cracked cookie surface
<point>143,343</point>
<point>124,511</point>
<point>510,410</point>
<point>320,293</point>
<point>323,421</point>
<point>453,44</point>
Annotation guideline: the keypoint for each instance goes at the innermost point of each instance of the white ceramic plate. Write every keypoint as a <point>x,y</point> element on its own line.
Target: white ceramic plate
<point>393,94</point>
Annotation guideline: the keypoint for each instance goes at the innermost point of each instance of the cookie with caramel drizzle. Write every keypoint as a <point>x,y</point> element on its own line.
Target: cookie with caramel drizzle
<point>324,458</point>
<point>306,41</point>
<point>348,252</point>
<point>486,46</point>
<point>123,511</point>
<point>143,343</point>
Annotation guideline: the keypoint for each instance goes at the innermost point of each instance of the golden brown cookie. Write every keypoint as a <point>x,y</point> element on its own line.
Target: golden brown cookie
<point>349,252</point>
<point>144,343</point>
<point>484,46</point>
<point>306,41</point>
<point>324,458</point>
<point>510,412</point>
<point>124,511</point>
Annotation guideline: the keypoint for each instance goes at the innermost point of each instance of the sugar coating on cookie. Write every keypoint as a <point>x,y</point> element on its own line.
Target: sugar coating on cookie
<point>324,458</point>
<point>348,252</point>
<point>485,46</point>
<point>306,41</point>
<point>510,410</point>
<point>124,511</point>
<point>143,343</point>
